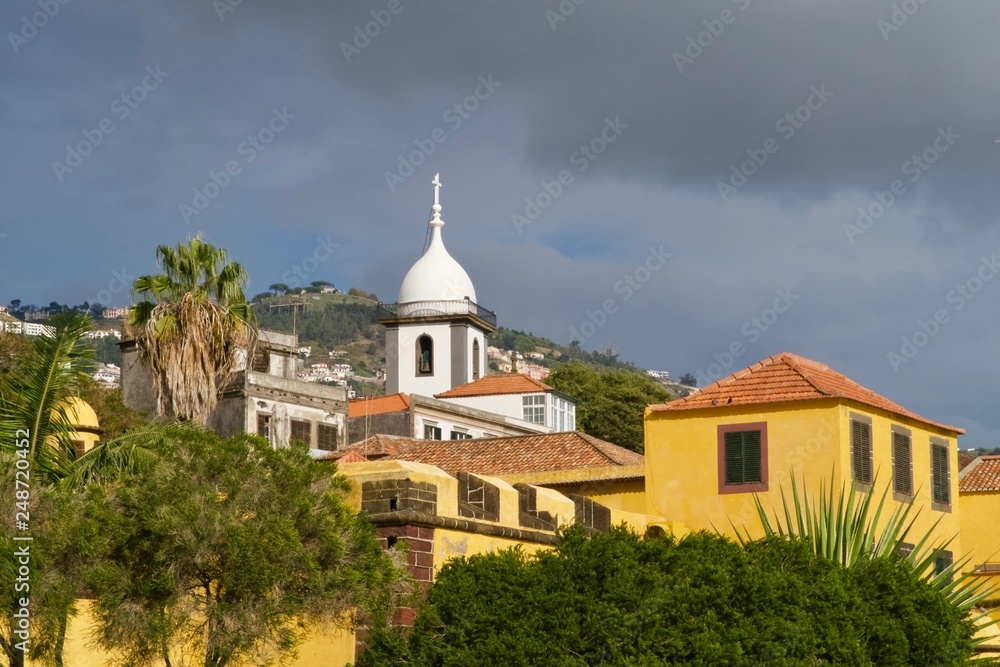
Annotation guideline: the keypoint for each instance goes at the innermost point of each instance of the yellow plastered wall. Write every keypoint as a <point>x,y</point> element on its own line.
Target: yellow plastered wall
<point>509,501</point>
<point>948,516</point>
<point>618,487</point>
<point>79,651</point>
<point>373,471</point>
<point>981,542</point>
<point>980,536</point>
<point>627,495</point>
<point>809,438</point>
<point>449,544</point>
<point>326,647</point>
<point>559,506</point>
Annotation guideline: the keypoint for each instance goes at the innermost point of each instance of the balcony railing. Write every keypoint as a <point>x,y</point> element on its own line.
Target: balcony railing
<point>392,311</point>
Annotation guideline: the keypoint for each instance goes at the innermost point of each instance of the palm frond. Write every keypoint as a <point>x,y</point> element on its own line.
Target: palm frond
<point>126,454</point>
<point>34,398</point>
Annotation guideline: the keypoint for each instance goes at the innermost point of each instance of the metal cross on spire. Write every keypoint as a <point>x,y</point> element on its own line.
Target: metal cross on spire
<point>436,220</point>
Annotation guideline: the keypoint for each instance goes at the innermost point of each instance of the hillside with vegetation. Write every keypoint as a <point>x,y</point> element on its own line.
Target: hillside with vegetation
<point>347,323</point>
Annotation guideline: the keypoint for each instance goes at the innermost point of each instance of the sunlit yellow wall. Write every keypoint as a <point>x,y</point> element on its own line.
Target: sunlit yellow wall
<point>979,515</point>
<point>78,652</point>
<point>81,416</point>
<point>949,527</point>
<point>811,438</point>
<point>628,495</point>
<point>326,648</point>
<point>617,487</point>
<point>322,648</point>
<point>981,543</point>
<point>450,544</point>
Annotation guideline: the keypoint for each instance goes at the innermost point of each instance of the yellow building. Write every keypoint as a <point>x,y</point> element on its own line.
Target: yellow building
<point>709,453</point>
<point>979,498</point>
<point>83,420</point>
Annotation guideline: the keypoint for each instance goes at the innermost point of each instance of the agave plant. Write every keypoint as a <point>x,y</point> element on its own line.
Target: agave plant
<point>846,527</point>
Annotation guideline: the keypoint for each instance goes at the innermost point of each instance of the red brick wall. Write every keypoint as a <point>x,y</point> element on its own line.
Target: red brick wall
<point>420,554</point>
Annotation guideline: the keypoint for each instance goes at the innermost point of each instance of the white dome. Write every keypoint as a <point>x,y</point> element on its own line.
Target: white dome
<point>436,276</point>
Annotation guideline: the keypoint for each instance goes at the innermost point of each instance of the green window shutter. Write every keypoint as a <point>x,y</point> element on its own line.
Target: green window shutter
<point>743,457</point>
<point>734,458</point>
<point>857,451</point>
<point>940,477</point>
<point>865,442</point>
<point>902,464</point>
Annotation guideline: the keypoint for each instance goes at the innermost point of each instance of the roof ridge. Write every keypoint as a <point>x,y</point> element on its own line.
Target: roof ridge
<point>840,376</point>
<point>593,440</point>
<point>728,379</point>
<point>792,361</point>
<point>497,377</point>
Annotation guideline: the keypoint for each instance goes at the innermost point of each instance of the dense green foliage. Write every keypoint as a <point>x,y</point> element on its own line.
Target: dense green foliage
<point>328,324</point>
<point>33,395</point>
<point>156,514</point>
<point>13,349</point>
<point>688,380</point>
<point>228,547</point>
<point>616,599</point>
<point>106,350</point>
<point>113,415</point>
<point>610,402</point>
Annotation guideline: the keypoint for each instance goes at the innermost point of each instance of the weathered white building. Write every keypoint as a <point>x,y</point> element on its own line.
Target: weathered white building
<point>265,398</point>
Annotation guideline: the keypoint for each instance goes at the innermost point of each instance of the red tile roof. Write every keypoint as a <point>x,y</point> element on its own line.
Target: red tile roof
<point>983,474</point>
<point>503,456</point>
<point>361,407</point>
<point>352,456</point>
<point>491,385</point>
<point>788,377</point>
<point>381,446</point>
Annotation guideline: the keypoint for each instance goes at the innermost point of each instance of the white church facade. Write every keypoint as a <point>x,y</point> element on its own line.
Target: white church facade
<point>436,365</point>
<point>436,332</point>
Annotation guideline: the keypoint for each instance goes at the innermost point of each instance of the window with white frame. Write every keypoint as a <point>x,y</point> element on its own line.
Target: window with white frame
<point>533,408</point>
<point>432,431</point>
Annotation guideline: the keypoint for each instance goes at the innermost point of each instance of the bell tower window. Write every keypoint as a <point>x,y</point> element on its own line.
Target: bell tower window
<point>425,355</point>
<point>475,359</point>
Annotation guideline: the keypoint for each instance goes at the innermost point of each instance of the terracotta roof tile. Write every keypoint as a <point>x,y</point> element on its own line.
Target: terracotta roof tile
<point>352,456</point>
<point>504,456</point>
<point>381,446</point>
<point>983,474</point>
<point>788,377</point>
<point>360,407</point>
<point>491,385</point>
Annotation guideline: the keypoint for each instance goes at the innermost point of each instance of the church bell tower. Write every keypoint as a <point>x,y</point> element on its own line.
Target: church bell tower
<point>435,334</point>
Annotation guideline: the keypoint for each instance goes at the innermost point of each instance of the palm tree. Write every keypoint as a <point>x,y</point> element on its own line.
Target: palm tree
<point>192,324</point>
<point>33,397</point>
<point>35,425</point>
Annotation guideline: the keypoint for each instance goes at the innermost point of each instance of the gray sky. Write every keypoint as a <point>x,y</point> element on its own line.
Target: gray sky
<point>652,114</point>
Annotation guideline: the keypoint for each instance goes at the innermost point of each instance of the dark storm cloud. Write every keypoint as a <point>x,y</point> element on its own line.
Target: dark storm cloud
<point>692,86</point>
<point>895,79</point>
